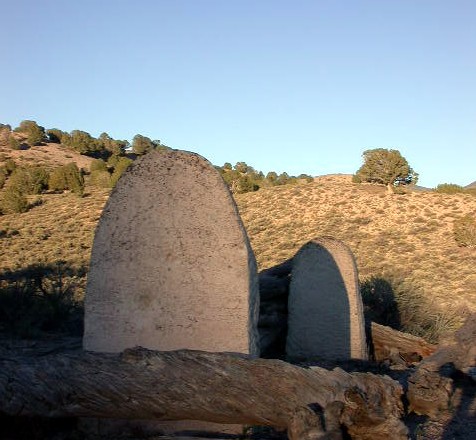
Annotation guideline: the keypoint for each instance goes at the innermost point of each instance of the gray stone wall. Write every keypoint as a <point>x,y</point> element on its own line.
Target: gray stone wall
<point>171,264</point>
<point>325,312</point>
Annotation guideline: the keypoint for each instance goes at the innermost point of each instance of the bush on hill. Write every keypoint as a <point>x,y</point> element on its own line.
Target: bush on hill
<point>21,182</point>
<point>98,165</point>
<point>391,300</point>
<point>13,142</point>
<point>243,178</point>
<point>306,177</point>
<point>141,144</point>
<point>29,180</point>
<point>5,131</point>
<point>34,132</point>
<point>67,177</point>
<point>13,201</point>
<point>100,178</point>
<point>449,188</point>
<point>81,141</point>
<point>112,161</point>
<point>385,167</point>
<point>56,136</point>
<point>121,165</point>
<point>464,230</point>
<point>10,166</point>
<point>40,299</point>
<point>3,176</point>
<point>112,146</point>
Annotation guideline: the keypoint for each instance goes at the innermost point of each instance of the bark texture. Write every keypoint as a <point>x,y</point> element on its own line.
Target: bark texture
<point>429,387</point>
<point>390,344</point>
<point>216,387</point>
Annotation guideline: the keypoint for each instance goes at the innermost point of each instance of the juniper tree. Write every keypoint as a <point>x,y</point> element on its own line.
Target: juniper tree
<point>35,133</point>
<point>385,167</point>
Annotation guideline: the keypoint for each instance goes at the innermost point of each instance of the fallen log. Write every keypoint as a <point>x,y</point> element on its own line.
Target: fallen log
<point>460,350</point>
<point>190,385</point>
<point>429,387</point>
<point>393,345</point>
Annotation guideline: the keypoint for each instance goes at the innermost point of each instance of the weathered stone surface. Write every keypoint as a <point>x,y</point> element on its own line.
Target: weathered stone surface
<point>171,264</point>
<point>325,307</point>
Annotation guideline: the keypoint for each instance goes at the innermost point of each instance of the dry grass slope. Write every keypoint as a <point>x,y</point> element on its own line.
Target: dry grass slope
<point>49,155</point>
<point>61,228</point>
<point>409,236</point>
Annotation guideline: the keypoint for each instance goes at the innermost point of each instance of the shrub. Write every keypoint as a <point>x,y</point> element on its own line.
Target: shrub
<point>142,144</point>
<point>57,180</point>
<point>81,141</point>
<point>449,188</point>
<point>112,161</point>
<point>67,177</point>
<point>22,181</point>
<point>399,303</point>
<point>40,299</point>
<point>399,189</point>
<point>122,164</point>
<point>55,135</point>
<point>98,165</point>
<point>113,146</point>
<point>39,177</point>
<point>29,180</point>
<point>3,177</point>
<point>306,177</point>
<point>379,301</point>
<point>14,201</point>
<point>13,142</point>
<point>244,184</point>
<point>35,133</point>
<point>10,165</point>
<point>101,179</point>
<point>4,133</point>
<point>464,230</point>
<point>282,179</point>
<point>19,180</point>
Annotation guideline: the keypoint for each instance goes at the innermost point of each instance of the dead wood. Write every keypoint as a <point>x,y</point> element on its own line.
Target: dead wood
<point>393,345</point>
<point>191,385</point>
<point>429,388</point>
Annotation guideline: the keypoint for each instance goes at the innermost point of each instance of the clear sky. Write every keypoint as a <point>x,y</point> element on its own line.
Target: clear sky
<point>298,86</point>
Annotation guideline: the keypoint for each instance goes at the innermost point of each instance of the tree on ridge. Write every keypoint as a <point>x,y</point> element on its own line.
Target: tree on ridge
<point>385,167</point>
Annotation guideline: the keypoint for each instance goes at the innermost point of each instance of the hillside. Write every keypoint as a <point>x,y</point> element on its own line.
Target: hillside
<point>407,236</point>
<point>403,239</point>
<point>48,154</point>
<point>471,185</point>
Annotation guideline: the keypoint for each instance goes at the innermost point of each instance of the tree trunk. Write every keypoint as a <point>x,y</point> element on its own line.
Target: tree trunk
<point>191,385</point>
<point>396,346</point>
<point>430,391</point>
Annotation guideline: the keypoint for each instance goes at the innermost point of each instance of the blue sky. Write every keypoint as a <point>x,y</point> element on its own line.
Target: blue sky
<point>301,86</point>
